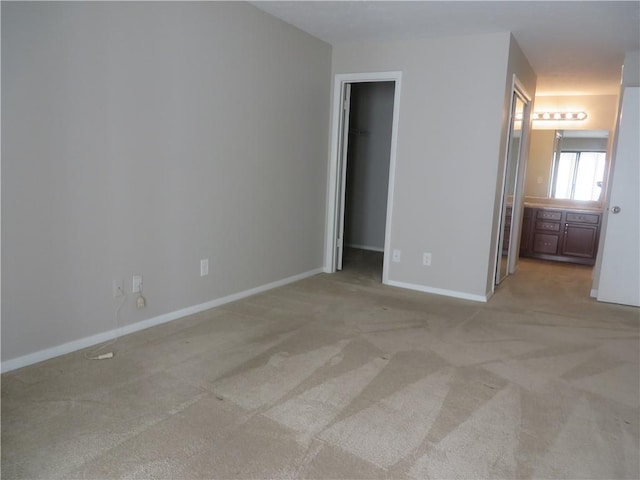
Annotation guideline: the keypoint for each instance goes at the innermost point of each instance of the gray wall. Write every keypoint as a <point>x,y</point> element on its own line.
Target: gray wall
<point>370,122</point>
<point>445,188</point>
<point>143,137</point>
<point>631,71</point>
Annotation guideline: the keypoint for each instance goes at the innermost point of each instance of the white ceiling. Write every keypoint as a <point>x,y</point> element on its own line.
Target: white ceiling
<point>575,47</point>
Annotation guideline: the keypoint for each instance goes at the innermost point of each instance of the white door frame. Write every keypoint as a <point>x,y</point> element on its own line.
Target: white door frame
<point>334,190</point>
<point>343,148</point>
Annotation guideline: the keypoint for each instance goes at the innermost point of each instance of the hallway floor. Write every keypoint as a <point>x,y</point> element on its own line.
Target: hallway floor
<point>339,376</point>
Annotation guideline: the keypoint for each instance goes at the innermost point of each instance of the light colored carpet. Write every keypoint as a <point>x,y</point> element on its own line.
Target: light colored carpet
<point>338,376</point>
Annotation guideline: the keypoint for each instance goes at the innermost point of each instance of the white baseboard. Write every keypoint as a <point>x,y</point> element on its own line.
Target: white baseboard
<point>366,247</point>
<point>81,343</point>
<point>594,293</point>
<point>439,291</point>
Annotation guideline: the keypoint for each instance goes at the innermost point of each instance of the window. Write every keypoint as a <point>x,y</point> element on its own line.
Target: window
<point>578,175</point>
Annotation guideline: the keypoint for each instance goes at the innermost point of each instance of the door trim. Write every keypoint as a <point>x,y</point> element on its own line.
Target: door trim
<point>333,189</point>
<point>343,146</point>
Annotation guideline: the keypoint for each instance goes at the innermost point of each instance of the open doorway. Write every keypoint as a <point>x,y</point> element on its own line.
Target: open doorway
<point>367,176</point>
<point>364,137</point>
<point>567,173</point>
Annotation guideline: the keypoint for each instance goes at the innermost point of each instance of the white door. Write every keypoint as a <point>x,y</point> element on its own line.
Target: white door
<point>620,268</point>
<point>342,172</point>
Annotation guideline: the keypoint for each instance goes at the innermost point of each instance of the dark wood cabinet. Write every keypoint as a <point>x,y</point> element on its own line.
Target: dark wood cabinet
<point>526,235</point>
<point>580,240</point>
<point>560,235</point>
<point>546,244</point>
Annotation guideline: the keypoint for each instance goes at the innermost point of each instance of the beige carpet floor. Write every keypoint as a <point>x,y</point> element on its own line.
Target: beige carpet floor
<point>338,376</point>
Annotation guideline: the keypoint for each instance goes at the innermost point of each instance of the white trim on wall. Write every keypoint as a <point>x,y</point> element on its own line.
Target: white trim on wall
<point>332,188</point>
<point>440,291</point>
<point>366,247</point>
<point>79,344</point>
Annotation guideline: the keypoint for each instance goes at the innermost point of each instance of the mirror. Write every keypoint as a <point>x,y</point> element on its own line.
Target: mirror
<point>567,165</point>
<point>505,262</point>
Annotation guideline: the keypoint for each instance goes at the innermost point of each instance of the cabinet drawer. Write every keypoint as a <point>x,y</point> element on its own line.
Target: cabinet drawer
<point>549,215</point>
<point>583,218</point>
<point>545,243</point>
<point>548,226</point>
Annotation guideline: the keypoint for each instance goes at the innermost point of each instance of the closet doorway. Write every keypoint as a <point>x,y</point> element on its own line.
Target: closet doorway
<point>361,176</point>
<point>367,175</point>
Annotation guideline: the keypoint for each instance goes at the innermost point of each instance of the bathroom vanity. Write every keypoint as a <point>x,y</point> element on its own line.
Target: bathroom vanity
<point>560,234</point>
<point>565,183</point>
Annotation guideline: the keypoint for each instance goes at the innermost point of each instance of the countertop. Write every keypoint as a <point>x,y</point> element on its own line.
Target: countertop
<point>554,204</point>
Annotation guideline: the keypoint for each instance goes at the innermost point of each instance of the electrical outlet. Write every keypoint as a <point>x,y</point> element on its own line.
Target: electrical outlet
<point>426,259</point>
<point>137,284</point>
<point>395,256</point>
<point>118,288</point>
<point>204,267</point>
<point>141,302</point>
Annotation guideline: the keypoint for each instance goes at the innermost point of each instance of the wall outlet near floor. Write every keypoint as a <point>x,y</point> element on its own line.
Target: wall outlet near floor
<point>426,259</point>
<point>204,267</point>
<point>137,284</point>
<point>141,302</point>
<point>395,256</point>
<point>118,288</point>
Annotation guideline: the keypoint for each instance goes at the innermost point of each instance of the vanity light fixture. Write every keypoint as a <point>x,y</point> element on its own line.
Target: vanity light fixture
<point>559,116</point>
